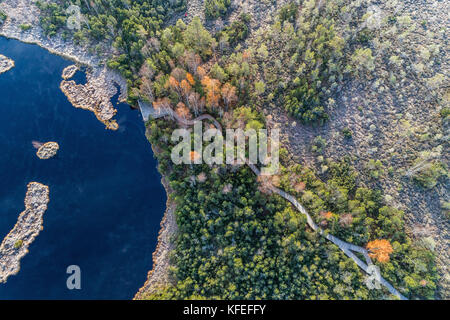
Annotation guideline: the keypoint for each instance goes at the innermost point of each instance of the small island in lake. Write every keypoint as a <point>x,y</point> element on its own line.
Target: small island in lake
<point>47,150</point>
<point>15,245</point>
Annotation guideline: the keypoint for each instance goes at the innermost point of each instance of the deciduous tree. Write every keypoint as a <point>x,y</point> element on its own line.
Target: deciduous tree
<point>380,250</point>
<point>212,88</point>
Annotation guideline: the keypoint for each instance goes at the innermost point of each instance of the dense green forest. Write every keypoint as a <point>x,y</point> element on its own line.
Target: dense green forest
<point>236,240</point>
<point>256,246</point>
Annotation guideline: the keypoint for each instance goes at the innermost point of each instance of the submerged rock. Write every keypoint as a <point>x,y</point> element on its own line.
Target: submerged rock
<point>5,63</point>
<point>15,245</point>
<point>47,150</point>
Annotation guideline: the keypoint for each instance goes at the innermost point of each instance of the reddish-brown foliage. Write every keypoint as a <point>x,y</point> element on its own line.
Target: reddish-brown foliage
<point>162,103</point>
<point>183,111</point>
<point>212,88</point>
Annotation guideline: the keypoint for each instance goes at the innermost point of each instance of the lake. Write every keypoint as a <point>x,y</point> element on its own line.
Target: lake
<point>106,197</point>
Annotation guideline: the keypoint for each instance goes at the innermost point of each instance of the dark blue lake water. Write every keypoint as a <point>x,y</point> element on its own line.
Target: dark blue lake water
<point>106,199</point>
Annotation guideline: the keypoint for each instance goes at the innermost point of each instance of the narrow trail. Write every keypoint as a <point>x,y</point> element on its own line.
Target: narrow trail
<point>348,248</point>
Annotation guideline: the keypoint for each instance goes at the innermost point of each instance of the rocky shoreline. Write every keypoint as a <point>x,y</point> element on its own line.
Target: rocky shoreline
<point>5,64</point>
<point>158,277</point>
<point>102,81</point>
<point>24,12</point>
<point>15,245</point>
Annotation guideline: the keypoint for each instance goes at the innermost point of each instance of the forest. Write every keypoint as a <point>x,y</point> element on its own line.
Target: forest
<point>235,239</point>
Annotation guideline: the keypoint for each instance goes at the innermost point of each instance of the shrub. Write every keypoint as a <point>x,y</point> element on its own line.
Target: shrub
<point>362,59</point>
<point>216,8</point>
<point>445,112</point>
<point>375,168</point>
<point>3,17</point>
<point>319,144</point>
<point>18,244</point>
<point>347,133</point>
<point>25,27</point>
<point>427,177</point>
<point>237,31</point>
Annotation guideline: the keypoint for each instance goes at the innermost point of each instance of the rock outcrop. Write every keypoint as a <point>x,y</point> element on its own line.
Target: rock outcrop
<point>47,150</point>
<point>5,64</point>
<point>95,95</point>
<point>15,245</point>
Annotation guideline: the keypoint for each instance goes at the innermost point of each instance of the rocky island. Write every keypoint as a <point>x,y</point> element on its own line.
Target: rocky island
<point>15,245</point>
<point>47,150</point>
<point>5,64</point>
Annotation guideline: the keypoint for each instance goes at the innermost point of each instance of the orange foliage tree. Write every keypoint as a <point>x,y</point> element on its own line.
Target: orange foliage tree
<point>190,78</point>
<point>194,156</point>
<point>173,84</point>
<point>326,215</point>
<point>185,89</point>
<point>380,250</point>
<point>201,73</point>
<point>212,88</point>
